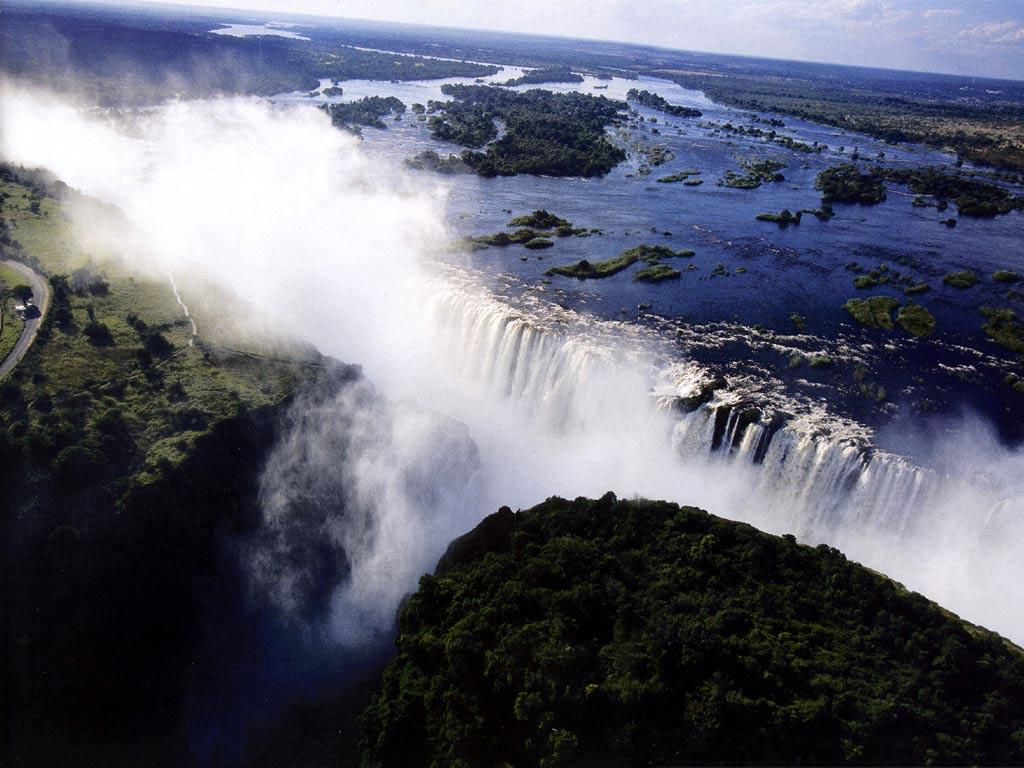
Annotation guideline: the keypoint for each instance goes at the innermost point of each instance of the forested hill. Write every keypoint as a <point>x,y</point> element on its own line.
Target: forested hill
<point>642,633</point>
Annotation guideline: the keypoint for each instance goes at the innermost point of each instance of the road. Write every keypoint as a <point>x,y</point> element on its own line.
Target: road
<point>41,298</point>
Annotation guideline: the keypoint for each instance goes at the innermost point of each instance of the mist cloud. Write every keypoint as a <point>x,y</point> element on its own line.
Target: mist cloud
<point>477,403</point>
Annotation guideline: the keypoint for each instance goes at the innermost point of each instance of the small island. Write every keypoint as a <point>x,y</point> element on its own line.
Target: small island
<point>551,134</point>
<point>755,173</point>
<point>558,74</point>
<point>367,111</point>
<point>654,101</point>
<point>875,312</point>
<point>650,254</point>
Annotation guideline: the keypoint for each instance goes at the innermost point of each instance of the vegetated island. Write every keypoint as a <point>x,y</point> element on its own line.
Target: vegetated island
<point>654,101</point>
<point>429,160</point>
<point>684,175</point>
<point>979,199</point>
<point>533,231</point>
<point>557,74</point>
<point>1004,327</point>
<point>876,312</point>
<point>642,633</point>
<point>785,217</point>
<point>773,137</point>
<point>553,134</point>
<point>755,173</point>
<point>366,111</point>
<point>652,255</point>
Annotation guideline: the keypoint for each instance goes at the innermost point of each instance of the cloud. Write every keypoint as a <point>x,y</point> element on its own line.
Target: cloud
<point>858,12</point>
<point>938,13</point>
<point>997,33</point>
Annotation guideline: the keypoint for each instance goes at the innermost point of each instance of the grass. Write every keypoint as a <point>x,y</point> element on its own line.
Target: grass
<point>584,269</point>
<point>679,176</point>
<point>875,312</point>
<point>916,320</point>
<point>657,273</point>
<point>651,254</point>
<point>961,280</point>
<point>12,324</point>
<point>1005,328</point>
<point>540,219</point>
<point>68,382</point>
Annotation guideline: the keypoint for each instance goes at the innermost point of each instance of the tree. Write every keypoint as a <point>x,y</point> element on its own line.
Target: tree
<point>22,293</point>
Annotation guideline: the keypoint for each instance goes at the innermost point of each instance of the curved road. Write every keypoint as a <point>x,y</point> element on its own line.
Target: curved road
<point>41,298</point>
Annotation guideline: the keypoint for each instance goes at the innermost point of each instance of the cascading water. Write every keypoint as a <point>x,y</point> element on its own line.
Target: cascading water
<point>671,429</point>
<point>558,364</point>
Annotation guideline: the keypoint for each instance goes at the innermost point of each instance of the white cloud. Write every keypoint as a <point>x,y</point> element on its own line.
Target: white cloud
<point>861,12</point>
<point>1000,33</point>
<point>939,13</point>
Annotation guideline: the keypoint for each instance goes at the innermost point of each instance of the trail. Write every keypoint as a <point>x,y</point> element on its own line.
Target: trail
<point>184,307</point>
<point>40,288</point>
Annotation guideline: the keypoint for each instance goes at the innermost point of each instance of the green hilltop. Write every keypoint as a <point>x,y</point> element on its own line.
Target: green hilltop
<point>640,633</point>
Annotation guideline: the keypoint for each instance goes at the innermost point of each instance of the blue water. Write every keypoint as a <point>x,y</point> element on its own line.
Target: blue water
<point>799,269</point>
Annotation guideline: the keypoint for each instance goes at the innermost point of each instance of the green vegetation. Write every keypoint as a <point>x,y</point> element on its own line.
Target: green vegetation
<point>650,254</point>
<point>126,456</point>
<point>916,320</point>
<point>784,218</point>
<point>883,274</point>
<point>112,341</point>
<point>978,199</point>
<point>559,74</point>
<point>540,219</point>
<point>875,312</point>
<point>657,273</point>
<point>367,111</point>
<point>10,324</point>
<point>654,101</point>
<point>916,288</point>
<point>333,90</point>
<point>642,633</point>
<point>132,59</point>
<point>534,229</point>
<point>680,176</point>
<point>982,127</point>
<point>501,239</point>
<point>652,157</point>
<point>756,172</point>
<point>846,184</point>
<point>554,134</point>
<point>429,160</point>
<point>962,280</point>
<point>1005,328</point>
<point>772,136</point>
<point>1006,276</point>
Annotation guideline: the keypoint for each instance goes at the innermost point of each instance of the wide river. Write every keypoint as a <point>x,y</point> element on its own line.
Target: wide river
<point>733,310</point>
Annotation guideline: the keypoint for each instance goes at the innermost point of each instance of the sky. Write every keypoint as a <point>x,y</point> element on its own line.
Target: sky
<point>968,37</point>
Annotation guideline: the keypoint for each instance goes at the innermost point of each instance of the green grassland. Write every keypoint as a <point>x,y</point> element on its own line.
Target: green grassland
<point>11,324</point>
<point>137,381</point>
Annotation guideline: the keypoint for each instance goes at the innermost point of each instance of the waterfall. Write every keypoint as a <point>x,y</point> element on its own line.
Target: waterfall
<point>812,474</point>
